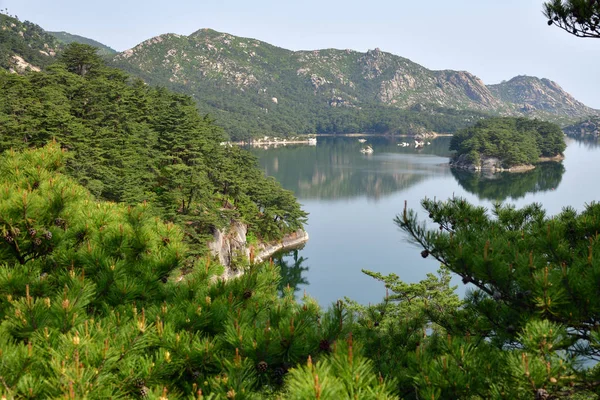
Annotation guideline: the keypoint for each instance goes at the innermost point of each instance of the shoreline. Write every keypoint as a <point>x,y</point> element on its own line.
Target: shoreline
<point>492,164</point>
<point>290,241</point>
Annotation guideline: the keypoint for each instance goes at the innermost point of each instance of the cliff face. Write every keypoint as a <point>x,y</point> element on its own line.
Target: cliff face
<point>229,244</point>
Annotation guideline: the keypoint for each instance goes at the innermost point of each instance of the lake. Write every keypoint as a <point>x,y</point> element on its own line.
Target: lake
<point>352,199</point>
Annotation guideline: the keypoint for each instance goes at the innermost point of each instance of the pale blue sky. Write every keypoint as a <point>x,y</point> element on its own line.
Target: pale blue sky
<point>493,39</point>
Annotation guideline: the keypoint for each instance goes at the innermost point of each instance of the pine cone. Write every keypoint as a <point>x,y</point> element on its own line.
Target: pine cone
<point>144,391</point>
<point>247,293</point>
<point>48,235</point>
<point>139,383</point>
<point>16,232</point>
<point>425,253</point>
<point>279,374</point>
<point>32,232</point>
<point>466,279</point>
<point>325,345</point>
<point>262,367</point>
<point>37,242</point>
<point>35,185</point>
<point>61,223</point>
<point>8,238</point>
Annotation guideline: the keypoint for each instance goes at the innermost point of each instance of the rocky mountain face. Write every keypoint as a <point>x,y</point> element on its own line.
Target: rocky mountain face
<point>531,96</point>
<point>254,88</point>
<point>214,67</point>
<point>25,46</point>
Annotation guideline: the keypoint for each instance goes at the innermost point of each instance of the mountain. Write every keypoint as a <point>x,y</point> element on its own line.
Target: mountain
<point>255,87</point>
<point>24,45</point>
<point>66,38</point>
<point>540,97</point>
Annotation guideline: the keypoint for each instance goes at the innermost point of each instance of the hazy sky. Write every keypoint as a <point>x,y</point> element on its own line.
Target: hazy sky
<point>493,39</point>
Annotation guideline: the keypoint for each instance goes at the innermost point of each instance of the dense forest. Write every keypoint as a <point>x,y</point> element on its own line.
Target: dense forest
<point>130,143</point>
<point>515,141</point>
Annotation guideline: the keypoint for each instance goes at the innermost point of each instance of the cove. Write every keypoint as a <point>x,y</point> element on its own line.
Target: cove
<point>352,199</point>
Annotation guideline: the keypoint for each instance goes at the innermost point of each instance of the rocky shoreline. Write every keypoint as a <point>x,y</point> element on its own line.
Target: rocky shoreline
<point>227,245</point>
<point>494,164</point>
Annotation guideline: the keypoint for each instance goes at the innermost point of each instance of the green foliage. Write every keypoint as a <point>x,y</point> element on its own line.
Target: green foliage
<point>533,308</point>
<point>394,331</point>
<point>81,59</point>
<point>97,301</point>
<point>132,143</point>
<point>345,374</point>
<point>515,141</point>
<point>578,17</point>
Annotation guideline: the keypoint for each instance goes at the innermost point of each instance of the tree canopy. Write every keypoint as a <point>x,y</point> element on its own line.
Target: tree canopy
<point>515,141</point>
<point>533,306</point>
<point>578,17</point>
<point>129,142</point>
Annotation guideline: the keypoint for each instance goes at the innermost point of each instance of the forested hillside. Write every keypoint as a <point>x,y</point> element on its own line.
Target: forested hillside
<point>24,45</point>
<point>66,38</point>
<point>129,142</point>
<point>254,88</point>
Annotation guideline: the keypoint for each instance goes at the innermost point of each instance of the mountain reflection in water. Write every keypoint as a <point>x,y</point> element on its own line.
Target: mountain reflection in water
<point>352,199</point>
<point>336,169</point>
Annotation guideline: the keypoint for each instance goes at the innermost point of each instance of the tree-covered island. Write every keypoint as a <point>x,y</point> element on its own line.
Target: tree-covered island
<point>507,144</point>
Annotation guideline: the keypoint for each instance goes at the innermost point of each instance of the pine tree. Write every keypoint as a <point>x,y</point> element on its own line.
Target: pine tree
<point>534,281</point>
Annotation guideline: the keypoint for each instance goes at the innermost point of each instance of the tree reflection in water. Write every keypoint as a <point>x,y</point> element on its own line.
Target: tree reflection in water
<point>500,186</point>
<point>292,269</point>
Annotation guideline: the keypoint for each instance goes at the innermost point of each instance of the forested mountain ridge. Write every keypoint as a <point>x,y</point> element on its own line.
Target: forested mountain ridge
<point>250,84</point>
<point>252,88</point>
<point>66,38</point>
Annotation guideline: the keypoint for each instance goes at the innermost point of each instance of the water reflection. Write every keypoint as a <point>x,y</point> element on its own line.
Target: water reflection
<point>589,141</point>
<point>500,186</point>
<point>351,232</point>
<point>336,168</point>
<point>292,269</point>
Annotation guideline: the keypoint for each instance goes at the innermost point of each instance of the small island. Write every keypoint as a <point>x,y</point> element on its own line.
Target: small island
<point>507,144</point>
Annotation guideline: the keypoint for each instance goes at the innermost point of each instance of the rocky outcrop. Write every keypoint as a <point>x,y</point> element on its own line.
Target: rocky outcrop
<point>531,95</point>
<point>487,164</point>
<point>231,243</point>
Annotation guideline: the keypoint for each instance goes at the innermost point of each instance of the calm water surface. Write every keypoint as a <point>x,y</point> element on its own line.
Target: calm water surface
<point>353,198</point>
